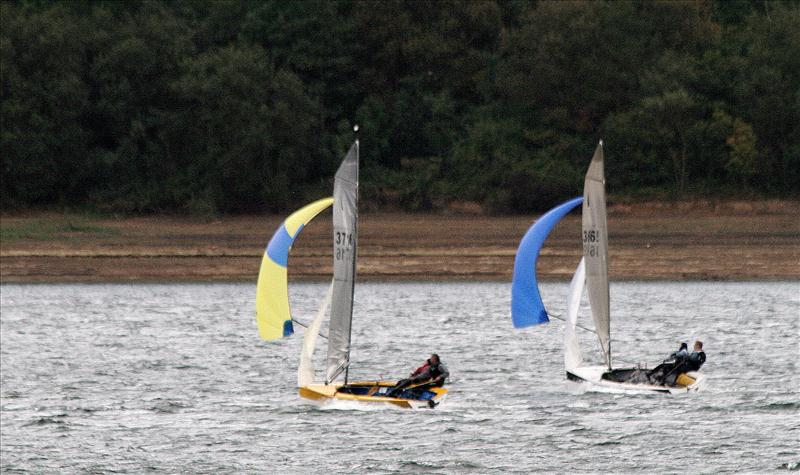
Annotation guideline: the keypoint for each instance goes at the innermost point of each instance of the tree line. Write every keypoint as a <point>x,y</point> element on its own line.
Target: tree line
<point>206,107</point>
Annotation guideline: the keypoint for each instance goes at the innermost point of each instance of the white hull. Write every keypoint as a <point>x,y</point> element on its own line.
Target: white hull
<point>593,376</point>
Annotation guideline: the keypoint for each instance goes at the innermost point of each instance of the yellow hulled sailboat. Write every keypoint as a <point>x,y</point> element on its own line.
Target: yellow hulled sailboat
<point>274,315</point>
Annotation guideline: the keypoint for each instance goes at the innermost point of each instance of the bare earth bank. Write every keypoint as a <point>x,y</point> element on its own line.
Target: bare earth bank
<point>683,241</point>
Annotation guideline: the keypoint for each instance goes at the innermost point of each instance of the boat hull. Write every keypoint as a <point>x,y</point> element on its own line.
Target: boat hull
<point>593,375</point>
<point>374,393</point>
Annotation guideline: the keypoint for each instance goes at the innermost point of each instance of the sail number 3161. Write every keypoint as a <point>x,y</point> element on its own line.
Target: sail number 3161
<point>590,240</point>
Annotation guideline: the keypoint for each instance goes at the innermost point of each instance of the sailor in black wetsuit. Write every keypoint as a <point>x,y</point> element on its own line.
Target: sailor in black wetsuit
<point>691,363</point>
<point>697,358</point>
<point>675,359</point>
<point>683,352</point>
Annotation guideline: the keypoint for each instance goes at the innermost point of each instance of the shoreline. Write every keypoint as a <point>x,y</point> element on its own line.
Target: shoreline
<point>379,280</point>
<point>650,242</point>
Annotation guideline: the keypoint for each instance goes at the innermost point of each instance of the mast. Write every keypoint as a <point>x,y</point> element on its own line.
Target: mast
<point>355,255</point>
<point>355,251</point>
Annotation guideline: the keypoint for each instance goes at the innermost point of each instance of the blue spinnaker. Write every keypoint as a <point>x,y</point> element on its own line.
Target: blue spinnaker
<point>526,303</point>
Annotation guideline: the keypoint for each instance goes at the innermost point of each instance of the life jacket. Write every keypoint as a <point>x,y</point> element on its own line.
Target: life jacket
<point>421,369</point>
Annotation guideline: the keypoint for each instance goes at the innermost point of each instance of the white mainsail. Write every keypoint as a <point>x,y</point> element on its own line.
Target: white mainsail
<point>595,249</point>
<point>572,347</point>
<point>305,371</point>
<point>345,238</point>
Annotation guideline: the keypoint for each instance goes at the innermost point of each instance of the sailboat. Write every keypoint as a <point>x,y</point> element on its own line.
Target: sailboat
<point>528,309</point>
<point>273,314</point>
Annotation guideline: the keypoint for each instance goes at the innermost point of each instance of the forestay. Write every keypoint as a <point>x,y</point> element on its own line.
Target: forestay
<point>526,302</point>
<point>345,238</point>
<point>595,249</point>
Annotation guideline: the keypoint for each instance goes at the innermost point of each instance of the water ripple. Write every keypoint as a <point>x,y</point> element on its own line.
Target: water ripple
<point>172,378</point>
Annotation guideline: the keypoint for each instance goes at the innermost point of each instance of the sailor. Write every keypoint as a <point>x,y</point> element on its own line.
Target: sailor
<point>433,371</point>
<point>697,358</point>
<point>669,366</point>
<point>683,352</point>
<point>692,363</point>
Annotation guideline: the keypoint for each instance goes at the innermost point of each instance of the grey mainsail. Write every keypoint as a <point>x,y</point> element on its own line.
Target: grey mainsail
<point>595,249</point>
<point>345,238</point>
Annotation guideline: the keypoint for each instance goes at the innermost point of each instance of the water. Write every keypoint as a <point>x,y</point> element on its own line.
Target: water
<point>172,378</point>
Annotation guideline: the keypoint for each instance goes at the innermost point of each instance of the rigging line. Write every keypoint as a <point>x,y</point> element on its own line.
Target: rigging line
<point>306,327</point>
<point>558,317</point>
<point>343,367</point>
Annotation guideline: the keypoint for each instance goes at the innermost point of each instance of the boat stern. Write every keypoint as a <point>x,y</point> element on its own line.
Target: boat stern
<point>691,381</point>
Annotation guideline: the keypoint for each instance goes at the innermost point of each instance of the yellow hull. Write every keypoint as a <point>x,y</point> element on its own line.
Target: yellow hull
<point>323,392</point>
<point>684,380</point>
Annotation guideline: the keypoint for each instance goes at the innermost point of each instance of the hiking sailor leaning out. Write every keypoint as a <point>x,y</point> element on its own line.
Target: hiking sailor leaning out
<point>433,370</point>
<point>697,357</point>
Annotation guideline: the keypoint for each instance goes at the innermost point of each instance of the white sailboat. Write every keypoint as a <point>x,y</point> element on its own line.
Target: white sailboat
<point>592,271</point>
<point>273,310</point>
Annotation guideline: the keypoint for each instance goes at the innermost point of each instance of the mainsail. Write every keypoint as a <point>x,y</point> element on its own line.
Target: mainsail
<point>345,238</point>
<point>595,249</point>
<point>526,302</point>
<point>272,294</point>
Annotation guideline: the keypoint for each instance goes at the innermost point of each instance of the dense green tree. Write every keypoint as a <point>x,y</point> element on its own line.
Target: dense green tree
<point>743,155</point>
<point>244,106</point>
<point>767,92</point>
<point>246,135</point>
<point>43,98</point>
<point>134,59</point>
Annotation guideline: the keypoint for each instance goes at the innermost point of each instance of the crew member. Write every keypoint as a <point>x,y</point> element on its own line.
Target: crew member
<point>692,363</point>
<point>683,352</point>
<point>697,358</point>
<point>433,371</point>
<point>671,367</point>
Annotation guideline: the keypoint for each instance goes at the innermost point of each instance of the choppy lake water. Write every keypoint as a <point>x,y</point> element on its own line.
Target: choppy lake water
<point>132,378</point>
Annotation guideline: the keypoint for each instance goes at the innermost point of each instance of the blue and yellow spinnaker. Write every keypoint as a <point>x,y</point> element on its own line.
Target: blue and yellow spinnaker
<point>272,291</point>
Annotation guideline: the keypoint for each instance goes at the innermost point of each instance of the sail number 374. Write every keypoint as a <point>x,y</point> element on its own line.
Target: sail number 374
<point>343,242</point>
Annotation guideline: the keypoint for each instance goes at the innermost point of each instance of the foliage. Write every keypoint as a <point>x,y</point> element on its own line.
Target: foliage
<point>240,107</point>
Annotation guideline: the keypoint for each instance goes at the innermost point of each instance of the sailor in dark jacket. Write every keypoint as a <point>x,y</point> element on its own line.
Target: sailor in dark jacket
<point>679,362</point>
<point>433,371</point>
<point>697,358</point>
<point>683,352</point>
<point>691,363</point>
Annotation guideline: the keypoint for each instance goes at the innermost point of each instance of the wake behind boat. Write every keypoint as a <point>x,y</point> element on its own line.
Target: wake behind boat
<point>528,309</point>
<point>274,317</point>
